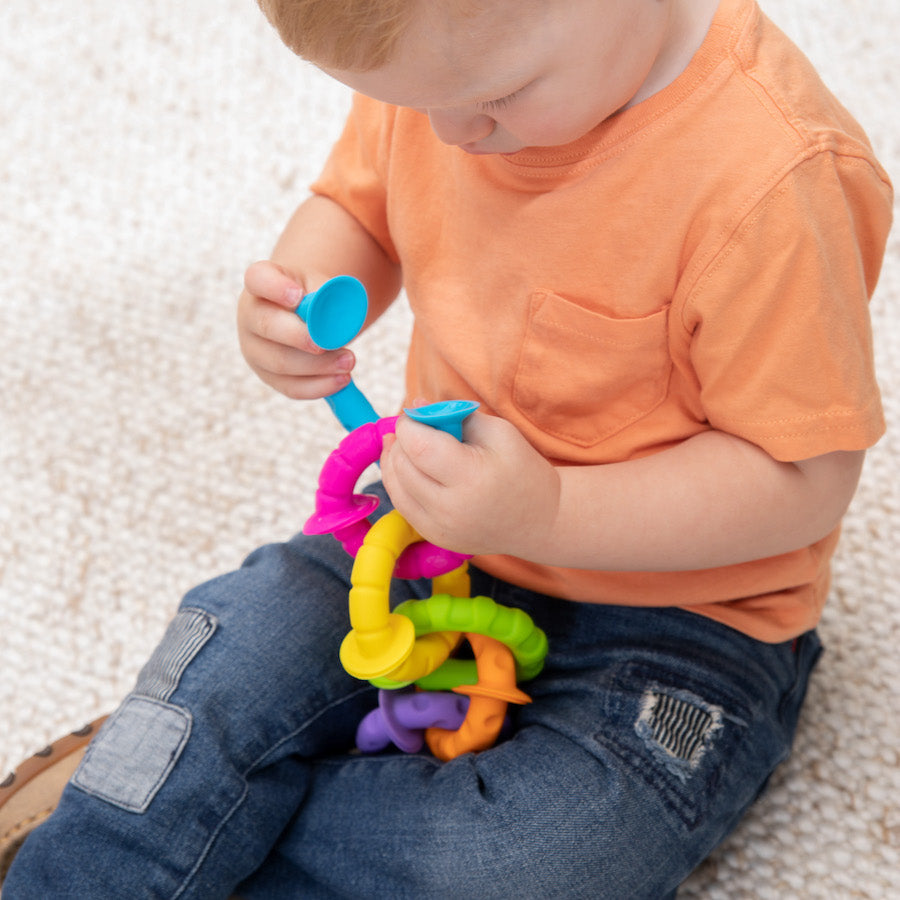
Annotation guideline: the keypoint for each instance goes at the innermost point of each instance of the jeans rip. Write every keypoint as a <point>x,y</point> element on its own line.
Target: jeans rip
<point>684,735</point>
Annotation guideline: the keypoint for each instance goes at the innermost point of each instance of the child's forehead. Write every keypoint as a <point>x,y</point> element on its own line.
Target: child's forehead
<point>446,59</point>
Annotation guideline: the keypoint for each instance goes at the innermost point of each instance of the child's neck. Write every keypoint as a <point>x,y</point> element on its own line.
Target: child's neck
<point>689,22</point>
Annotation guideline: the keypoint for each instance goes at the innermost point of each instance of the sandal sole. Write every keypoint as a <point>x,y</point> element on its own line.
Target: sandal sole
<point>30,793</point>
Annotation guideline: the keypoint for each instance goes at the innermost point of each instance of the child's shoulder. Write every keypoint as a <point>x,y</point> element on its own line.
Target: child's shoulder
<point>784,90</point>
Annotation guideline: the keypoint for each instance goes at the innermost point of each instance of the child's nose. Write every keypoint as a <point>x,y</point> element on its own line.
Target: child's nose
<point>460,126</point>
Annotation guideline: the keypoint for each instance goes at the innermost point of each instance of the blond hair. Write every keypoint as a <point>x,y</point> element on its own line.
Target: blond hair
<point>342,34</point>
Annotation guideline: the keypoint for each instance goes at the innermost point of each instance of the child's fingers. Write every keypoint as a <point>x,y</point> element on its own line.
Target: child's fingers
<point>267,280</point>
<point>406,485</point>
<point>280,326</point>
<point>306,387</point>
<point>298,375</point>
<point>482,430</point>
<point>281,356</point>
<point>435,454</point>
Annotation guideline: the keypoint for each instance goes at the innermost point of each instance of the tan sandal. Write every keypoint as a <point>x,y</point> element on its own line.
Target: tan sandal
<point>31,793</point>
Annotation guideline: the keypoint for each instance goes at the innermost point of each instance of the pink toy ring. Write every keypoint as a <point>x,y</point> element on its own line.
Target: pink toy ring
<point>346,515</point>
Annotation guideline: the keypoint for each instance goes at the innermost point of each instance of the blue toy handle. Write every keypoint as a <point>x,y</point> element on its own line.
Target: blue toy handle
<point>350,407</point>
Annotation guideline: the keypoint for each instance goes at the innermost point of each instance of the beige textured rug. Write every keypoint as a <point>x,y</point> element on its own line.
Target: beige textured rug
<point>148,152</point>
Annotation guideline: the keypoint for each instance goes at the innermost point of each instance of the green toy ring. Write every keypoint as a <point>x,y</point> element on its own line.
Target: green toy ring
<point>480,615</point>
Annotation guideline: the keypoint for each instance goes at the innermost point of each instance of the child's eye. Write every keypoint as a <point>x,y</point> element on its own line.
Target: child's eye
<point>500,103</point>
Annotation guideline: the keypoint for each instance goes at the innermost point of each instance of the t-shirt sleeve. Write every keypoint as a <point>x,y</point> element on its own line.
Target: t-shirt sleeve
<point>781,340</point>
<point>354,174</point>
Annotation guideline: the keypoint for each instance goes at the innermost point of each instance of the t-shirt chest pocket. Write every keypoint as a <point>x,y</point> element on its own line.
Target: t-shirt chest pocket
<point>583,376</point>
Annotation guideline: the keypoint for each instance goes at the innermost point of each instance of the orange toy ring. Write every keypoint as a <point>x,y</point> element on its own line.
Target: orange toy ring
<point>496,688</point>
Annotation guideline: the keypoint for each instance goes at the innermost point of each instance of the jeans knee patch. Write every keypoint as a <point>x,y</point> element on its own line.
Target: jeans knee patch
<point>129,761</point>
<point>185,637</point>
<point>678,728</point>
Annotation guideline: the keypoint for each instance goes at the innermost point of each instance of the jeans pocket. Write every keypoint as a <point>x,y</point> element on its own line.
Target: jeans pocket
<point>616,370</point>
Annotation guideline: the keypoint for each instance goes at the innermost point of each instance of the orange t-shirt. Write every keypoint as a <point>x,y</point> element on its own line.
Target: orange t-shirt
<point>702,260</point>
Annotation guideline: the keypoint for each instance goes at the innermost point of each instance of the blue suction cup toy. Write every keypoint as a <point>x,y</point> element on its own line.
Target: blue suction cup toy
<point>447,415</point>
<point>335,313</point>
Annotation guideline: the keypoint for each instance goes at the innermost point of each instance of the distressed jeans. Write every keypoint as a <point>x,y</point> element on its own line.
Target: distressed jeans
<point>229,769</point>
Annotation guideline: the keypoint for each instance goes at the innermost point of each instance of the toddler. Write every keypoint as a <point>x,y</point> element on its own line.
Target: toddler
<point>642,235</point>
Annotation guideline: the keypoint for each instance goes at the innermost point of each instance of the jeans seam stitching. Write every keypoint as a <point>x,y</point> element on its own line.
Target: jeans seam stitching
<point>309,721</point>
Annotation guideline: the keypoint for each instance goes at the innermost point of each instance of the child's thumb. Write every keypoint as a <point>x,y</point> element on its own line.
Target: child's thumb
<point>271,282</point>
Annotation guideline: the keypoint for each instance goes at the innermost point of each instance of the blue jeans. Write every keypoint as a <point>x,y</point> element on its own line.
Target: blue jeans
<point>228,771</point>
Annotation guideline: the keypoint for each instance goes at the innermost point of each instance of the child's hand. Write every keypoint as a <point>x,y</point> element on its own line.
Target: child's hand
<point>494,493</point>
<point>276,343</point>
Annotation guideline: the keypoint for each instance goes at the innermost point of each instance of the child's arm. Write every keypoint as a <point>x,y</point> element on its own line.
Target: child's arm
<point>321,240</point>
<point>713,500</point>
